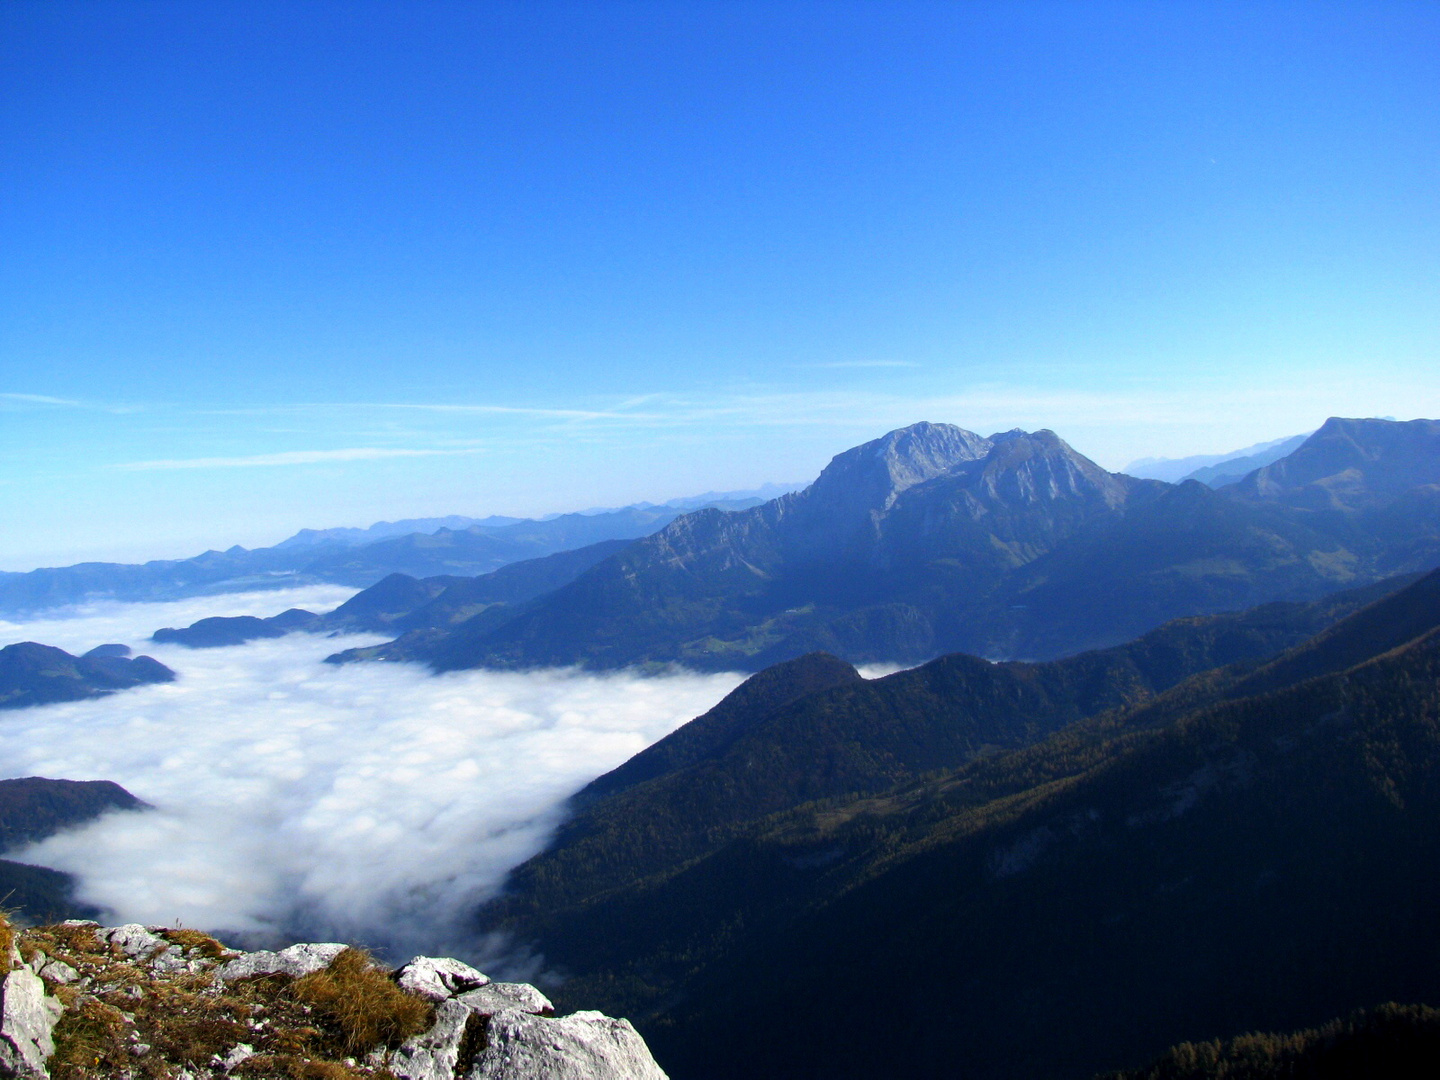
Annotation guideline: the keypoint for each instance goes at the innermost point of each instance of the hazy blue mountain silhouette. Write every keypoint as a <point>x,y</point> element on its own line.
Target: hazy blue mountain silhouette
<point>933,539</point>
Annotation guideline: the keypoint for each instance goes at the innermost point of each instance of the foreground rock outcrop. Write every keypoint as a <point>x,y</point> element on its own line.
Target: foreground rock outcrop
<point>79,1000</point>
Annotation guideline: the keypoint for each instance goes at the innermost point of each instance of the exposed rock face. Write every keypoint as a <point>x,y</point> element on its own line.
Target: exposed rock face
<point>582,1046</point>
<point>27,1019</point>
<point>437,978</point>
<point>503,1031</point>
<point>178,1003</point>
<point>295,961</point>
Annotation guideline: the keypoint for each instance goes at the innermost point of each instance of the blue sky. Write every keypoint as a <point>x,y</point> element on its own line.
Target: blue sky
<point>265,266</point>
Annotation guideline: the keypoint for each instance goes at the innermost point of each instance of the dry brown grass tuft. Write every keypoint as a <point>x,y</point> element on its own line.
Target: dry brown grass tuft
<point>75,939</point>
<point>367,1007</point>
<point>7,940</point>
<point>90,1040</point>
<point>196,940</point>
<point>297,1068</point>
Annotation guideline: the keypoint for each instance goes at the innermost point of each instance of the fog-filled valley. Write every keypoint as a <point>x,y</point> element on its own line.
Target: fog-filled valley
<point>295,800</point>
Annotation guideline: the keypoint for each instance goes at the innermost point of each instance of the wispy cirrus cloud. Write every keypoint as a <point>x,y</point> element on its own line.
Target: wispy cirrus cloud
<point>41,399</point>
<point>289,457</point>
<point>860,364</point>
<point>621,412</point>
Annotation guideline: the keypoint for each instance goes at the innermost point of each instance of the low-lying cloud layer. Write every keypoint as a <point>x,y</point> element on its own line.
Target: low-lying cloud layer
<point>372,802</point>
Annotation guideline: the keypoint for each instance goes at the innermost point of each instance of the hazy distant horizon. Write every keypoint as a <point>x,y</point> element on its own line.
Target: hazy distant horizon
<point>162,548</point>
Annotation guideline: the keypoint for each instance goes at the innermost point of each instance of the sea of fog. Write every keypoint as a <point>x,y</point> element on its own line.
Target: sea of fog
<point>295,800</point>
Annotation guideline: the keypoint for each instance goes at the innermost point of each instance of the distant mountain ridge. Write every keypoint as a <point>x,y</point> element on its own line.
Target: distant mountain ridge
<point>1210,468</point>
<point>35,674</point>
<point>400,603</point>
<point>457,546</point>
<point>933,539</point>
<point>1231,469</point>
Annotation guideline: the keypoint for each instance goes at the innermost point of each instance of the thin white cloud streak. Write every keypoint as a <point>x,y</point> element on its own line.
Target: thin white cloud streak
<point>42,399</point>
<point>289,457</point>
<point>374,802</point>
<point>533,412</point>
<point>835,365</point>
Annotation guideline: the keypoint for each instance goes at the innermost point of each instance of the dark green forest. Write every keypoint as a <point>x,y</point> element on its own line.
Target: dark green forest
<point>1398,1042</point>
<point>1039,870</point>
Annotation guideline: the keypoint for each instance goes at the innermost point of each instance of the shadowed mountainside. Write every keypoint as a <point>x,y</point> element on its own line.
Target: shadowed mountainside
<point>933,539</point>
<point>1253,847</point>
<point>32,808</point>
<point>1399,1042</point>
<point>35,674</point>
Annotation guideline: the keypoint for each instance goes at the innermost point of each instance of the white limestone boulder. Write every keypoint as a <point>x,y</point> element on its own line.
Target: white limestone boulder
<point>295,961</point>
<point>27,1022</point>
<point>135,941</point>
<point>434,1054</point>
<point>582,1046</point>
<point>505,997</point>
<point>436,978</point>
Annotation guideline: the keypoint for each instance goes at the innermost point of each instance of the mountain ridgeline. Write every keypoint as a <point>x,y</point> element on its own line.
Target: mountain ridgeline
<point>460,547</point>
<point>933,540</point>
<point>1045,869</point>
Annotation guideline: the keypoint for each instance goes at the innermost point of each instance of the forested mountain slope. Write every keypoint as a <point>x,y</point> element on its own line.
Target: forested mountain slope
<point>1255,847</point>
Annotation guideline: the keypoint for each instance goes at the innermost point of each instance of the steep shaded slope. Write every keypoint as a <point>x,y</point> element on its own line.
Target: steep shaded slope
<point>1264,864</point>
<point>768,747</point>
<point>33,808</point>
<point>1081,903</point>
<point>35,674</point>
<point>1191,550</point>
<point>933,539</point>
<point>742,709</point>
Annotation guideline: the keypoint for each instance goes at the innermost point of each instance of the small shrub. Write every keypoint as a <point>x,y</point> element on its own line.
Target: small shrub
<point>363,1003</point>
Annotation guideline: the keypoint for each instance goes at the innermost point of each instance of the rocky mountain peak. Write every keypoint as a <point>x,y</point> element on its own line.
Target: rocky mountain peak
<point>1022,468</point>
<point>871,475</point>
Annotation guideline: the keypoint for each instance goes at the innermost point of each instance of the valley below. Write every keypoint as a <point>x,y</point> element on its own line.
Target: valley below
<point>292,800</point>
